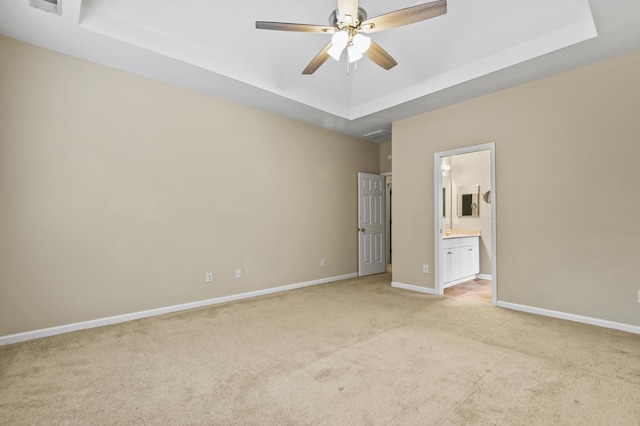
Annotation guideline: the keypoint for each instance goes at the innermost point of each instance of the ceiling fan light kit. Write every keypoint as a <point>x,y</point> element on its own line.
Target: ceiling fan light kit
<point>347,31</point>
<point>339,41</point>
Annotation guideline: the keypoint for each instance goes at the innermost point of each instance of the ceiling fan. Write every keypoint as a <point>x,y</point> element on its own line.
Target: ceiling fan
<point>349,22</point>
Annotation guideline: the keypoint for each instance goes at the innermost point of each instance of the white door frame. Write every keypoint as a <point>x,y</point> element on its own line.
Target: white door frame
<point>438,203</point>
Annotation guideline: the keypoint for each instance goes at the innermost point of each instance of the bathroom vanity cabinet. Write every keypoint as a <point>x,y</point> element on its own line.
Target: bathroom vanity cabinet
<point>460,260</point>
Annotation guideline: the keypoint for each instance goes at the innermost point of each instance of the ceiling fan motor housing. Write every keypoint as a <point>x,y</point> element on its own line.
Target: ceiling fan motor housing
<point>335,17</point>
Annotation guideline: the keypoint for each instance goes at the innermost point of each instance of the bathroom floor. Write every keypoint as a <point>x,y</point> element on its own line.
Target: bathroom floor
<point>478,290</point>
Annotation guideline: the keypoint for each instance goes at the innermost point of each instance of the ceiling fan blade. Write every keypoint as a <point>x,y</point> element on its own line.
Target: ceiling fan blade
<point>380,56</point>
<point>348,7</point>
<point>286,26</point>
<point>406,16</point>
<point>319,59</point>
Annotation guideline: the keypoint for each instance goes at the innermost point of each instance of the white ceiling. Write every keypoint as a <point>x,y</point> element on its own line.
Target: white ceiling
<point>212,47</point>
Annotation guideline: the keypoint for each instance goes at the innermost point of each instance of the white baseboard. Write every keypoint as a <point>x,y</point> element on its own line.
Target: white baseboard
<point>45,332</point>
<point>484,277</point>
<point>539,311</point>
<point>571,317</point>
<point>413,288</point>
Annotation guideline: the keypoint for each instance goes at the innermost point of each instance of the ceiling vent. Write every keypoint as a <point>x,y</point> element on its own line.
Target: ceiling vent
<point>378,136</point>
<point>51,6</point>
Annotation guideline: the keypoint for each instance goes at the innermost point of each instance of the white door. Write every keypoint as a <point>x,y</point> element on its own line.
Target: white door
<point>371,206</point>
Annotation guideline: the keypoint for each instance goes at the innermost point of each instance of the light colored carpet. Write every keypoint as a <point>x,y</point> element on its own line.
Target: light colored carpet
<point>351,352</point>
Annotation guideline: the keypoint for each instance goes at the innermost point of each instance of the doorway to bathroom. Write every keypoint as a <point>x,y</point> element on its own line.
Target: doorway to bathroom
<point>465,223</point>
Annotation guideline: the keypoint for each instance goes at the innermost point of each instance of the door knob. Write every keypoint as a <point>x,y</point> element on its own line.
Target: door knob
<point>361,229</point>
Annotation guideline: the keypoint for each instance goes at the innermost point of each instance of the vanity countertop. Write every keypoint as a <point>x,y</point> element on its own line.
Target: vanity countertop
<point>460,233</point>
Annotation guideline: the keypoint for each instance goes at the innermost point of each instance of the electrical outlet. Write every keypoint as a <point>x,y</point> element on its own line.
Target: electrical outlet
<point>238,273</point>
<point>209,277</point>
<point>425,269</point>
<point>323,263</point>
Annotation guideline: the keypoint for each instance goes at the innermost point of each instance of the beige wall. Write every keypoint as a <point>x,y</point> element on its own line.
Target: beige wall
<point>385,162</point>
<point>566,167</point>
<point>118,193</point>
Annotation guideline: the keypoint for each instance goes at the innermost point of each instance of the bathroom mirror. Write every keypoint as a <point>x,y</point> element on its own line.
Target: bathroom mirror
<point>468,199</point>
